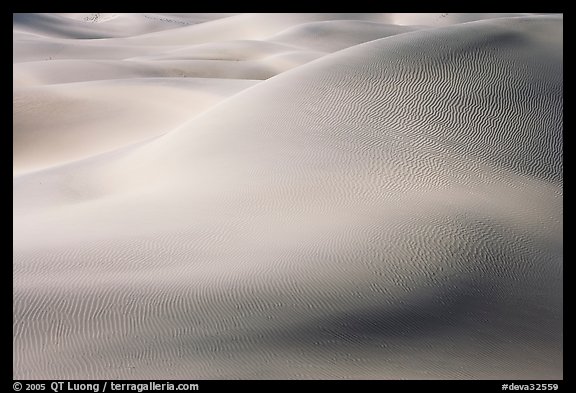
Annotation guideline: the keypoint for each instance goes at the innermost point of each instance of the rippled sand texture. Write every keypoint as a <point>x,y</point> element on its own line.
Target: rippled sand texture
<point>288,196</point>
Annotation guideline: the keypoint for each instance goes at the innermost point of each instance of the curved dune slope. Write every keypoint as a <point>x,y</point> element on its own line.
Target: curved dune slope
<point>334,35</point>
<point>76,120</point>
<point>392,210</point>
<point>103,25</point>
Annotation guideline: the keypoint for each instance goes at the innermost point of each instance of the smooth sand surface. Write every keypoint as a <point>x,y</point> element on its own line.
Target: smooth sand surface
<point>330,196</point>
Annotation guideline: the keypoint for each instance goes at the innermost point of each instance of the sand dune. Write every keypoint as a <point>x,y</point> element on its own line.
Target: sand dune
<point>331,36</point>
<point>76,120</point>
<point>67,71</point>
<point>373,196</point>
<point>103,25</point>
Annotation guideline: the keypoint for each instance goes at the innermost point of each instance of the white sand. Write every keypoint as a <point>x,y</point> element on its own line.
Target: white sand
<point>288,196</point>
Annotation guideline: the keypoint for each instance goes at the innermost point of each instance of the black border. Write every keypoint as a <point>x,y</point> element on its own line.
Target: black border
<point>283,6</point>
